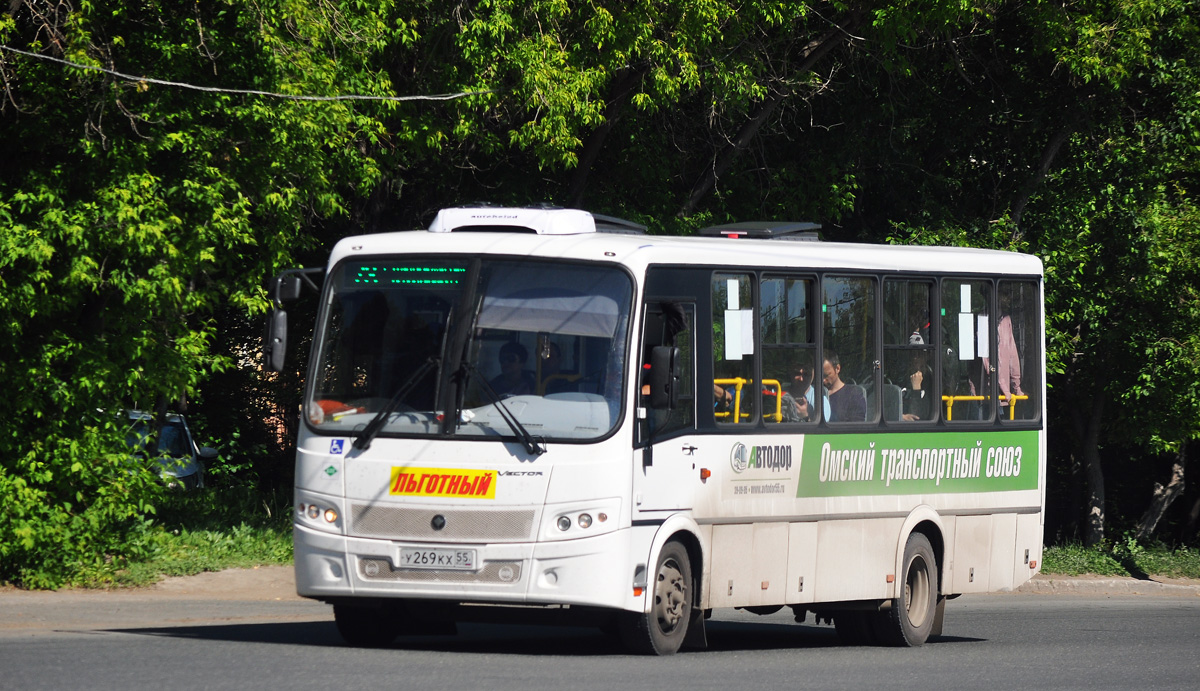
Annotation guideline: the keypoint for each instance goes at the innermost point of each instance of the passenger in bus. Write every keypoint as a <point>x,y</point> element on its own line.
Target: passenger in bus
<point>799,400</point>
<point>1008,361</point>
<point>918,398</point>
<point>722,398</point>
<point>514,379</point>
<point>846,403</point>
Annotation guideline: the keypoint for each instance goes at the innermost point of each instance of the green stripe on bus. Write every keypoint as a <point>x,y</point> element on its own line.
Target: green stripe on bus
<point>847,465</point>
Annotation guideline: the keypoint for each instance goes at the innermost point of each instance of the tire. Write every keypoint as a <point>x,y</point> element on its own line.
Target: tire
<point>366,627</point>
<point>661,630</point>
<point>910,620</point>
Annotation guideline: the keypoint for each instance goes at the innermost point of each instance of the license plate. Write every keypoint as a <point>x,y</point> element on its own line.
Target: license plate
<point>451,559</point>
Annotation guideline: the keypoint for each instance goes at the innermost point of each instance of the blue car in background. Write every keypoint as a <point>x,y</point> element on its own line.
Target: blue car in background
<point>181,459</point>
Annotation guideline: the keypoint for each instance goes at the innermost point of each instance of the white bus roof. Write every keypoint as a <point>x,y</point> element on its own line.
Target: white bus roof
<point>572,234</point>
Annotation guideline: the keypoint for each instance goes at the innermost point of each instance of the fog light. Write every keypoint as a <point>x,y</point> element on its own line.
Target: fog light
<point>314,511</point>
<point>564,523</point>
<point>330,515</point>
<point>585,520</point>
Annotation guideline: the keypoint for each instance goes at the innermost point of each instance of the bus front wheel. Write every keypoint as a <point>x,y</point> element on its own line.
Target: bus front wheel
<point>910,619</point>
<point>661,630</point>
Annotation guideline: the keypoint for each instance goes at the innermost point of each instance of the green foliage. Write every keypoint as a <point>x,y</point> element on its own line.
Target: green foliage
<point>65,519</point>
<point>138,221</point>
<point>197,532</point>
<point>132,216</point>
<point>1076,560</point>
<point>211,531</point>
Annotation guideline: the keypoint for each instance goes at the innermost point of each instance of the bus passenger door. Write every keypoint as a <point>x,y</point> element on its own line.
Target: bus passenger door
<point>666,477</point>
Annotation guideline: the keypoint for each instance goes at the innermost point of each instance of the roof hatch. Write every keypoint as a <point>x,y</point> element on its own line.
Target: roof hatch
<point>541,221</point>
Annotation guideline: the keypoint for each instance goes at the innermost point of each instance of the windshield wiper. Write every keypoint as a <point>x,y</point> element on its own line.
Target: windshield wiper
<point>363,442</point>
<point>535,446</point>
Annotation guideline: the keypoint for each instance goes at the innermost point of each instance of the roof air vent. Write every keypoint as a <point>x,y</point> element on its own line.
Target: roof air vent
<point>781,230</point>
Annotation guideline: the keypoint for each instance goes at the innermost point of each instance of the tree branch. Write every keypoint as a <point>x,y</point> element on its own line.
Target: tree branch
<point>812,52</point>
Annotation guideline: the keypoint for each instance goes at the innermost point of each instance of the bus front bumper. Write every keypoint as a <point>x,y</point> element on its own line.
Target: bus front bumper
<point>588,571</point>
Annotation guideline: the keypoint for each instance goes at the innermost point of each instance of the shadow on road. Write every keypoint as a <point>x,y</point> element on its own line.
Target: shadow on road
<point>519,639</point>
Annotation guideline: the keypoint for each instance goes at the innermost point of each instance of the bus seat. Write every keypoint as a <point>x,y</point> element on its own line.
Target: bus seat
<point>893,402</point>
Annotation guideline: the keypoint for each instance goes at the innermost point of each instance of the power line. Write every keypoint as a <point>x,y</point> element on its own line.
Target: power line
<point>249,92</point>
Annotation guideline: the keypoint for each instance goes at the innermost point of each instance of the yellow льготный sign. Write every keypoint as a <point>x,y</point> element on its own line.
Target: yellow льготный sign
<point>443,482</point>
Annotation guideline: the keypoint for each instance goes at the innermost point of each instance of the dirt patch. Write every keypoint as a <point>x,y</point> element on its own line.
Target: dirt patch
<point>257,583</point>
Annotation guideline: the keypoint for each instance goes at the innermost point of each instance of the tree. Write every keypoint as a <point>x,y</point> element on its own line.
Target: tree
<point>132,214</point>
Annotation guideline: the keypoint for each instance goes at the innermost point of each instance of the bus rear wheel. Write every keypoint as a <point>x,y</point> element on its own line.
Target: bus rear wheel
<point>910,619</point>
<point>661,630</point>
<point>366,627</point>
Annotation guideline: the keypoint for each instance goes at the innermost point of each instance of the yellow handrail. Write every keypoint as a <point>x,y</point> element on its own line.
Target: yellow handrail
<point>738,383</point>
<point>1012,409</point>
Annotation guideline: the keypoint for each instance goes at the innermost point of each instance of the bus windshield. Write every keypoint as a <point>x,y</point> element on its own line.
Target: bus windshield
<point>546,341</point>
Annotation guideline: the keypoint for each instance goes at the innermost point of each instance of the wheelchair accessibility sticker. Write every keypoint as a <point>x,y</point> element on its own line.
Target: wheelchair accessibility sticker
<point>337,447</point>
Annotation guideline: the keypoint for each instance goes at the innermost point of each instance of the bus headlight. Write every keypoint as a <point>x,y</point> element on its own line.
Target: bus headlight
<point>580,519</point>
<point>318,515</point>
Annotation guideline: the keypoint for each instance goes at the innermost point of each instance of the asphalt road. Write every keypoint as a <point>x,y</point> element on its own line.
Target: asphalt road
<point>187,640</point>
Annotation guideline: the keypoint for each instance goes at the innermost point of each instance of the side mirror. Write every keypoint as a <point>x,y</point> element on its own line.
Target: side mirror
<point>287,288</point>
<point>275,343</point>
<point>664,381</point>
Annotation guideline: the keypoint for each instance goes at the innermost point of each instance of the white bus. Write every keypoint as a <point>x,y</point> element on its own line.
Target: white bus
<point>534,411</point>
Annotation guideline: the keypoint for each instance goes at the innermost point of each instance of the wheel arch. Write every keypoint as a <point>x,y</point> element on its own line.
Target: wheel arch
<point>926,521</point>
<point>685,531</point>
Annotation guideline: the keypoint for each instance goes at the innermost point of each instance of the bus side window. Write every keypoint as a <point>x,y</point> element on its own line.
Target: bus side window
<point>734,390</point>
<point>848,365</point>
<point>790,381</point>
<point>967,327</point>
<point>909,393</point>
<point>1018,350</point>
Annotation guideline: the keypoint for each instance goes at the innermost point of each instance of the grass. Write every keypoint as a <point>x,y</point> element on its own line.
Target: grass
<point>1125,557</point>
<point>211,530</point>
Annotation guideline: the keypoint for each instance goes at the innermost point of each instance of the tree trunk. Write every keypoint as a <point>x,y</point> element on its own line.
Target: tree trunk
<point>1193,518</point>
<point>1163,497</point>
<point>1075,506</point>
<point>1085,422</point>
<point>1031,185</point>
<point>1094,526</point>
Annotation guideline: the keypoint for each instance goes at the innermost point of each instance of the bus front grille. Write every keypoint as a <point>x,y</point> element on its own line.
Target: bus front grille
<point>407,523</point>
<point>379,569</point>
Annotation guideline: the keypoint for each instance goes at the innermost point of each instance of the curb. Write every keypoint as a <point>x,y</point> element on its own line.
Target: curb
<point>1067,585</point>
